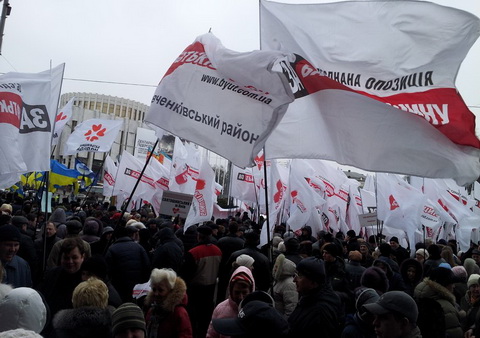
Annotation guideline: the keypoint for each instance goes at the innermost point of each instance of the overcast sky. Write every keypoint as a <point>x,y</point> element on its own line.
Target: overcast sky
<point>136,41</point>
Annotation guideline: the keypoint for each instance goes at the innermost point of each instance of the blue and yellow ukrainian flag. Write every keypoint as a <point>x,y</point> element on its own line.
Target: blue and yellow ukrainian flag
<point>60,175</point>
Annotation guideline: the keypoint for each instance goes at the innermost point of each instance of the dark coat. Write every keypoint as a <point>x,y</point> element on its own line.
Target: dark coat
<point>168,254</point>
<point>128,264</point>
<point>316,315</point>
<point>91,322</point>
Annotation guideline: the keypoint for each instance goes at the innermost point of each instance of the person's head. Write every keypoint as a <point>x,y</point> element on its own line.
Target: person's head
<point>310,275</point>
<point>241,284</point>
<point>329,252</point>
<point>95,266</point>
<point>443,276</point>
<point>22,308</point>
<point>128,322</point>
<point>204,232</point>
<point>421,255</point>
<point>476,255</point>
<point>365,296</point>
<point>6,209</point>
<point>51,229</point>
<point>20,222</point>
<point>72,254</point>
<point>395,314</point>
<point>9,242</point>
<point>255,319</point>
<point>474,285</point>
<point>354,256</point>
<point>364,250</point>
<point>92,292</point>
<point>394,243</point>
<point>375,278</point>
<point>73,226</point>
<point>162,282</point>
<point>244,260</point>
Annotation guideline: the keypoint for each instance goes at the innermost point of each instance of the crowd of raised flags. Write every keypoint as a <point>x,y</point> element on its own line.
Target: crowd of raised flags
<point>311,93</point>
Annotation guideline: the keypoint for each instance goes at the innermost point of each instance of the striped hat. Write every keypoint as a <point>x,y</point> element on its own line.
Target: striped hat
<point>127,316</point>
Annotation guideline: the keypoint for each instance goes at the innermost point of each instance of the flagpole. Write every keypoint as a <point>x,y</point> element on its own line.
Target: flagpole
<point>94,179</point>
<point>270,248</point>
<point>127,203</point>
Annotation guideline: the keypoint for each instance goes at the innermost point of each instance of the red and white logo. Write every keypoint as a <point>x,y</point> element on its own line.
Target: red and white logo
<point>393,203</point>
<point>60,117</point>
<point>95,133</point>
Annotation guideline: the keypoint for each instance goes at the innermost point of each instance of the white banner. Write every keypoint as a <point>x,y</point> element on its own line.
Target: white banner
<point>28,105</point>
<point>243,184</point>
<point>144,141</point>
<point>109,176</point>
<point>94,135</point>
<point>340,101</point>
<point>203,201</point>
<point>62,118</point>
<point>225,101</point>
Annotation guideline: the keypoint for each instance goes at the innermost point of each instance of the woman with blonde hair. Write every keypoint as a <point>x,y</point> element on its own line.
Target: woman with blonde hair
<point>166,303</point>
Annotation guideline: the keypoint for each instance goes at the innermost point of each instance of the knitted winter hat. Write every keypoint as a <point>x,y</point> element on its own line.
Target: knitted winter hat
<point>127,316</point>
<point>245,260</point>
<point>422,252</point>
<point>473,279</point>
<point>460,272</point>
<point>9,233</point>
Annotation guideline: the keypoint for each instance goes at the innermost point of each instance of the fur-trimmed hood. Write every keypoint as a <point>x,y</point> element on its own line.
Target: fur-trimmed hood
<point>283,268</point>
<point>430,289</point>
<point>418,268</point>
<point>83,322</point>
<point>177,296</point>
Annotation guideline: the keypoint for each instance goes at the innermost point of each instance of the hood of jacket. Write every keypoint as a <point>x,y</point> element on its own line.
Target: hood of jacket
<point>83,318</point>
<point>418,268</point>
<point>283,268</point>
<point>22,308</point>
<point>430,289</point>
<point>176,296</point>
<point>244,272</point>
<point>58,216</point>
<point>166,235</point>
<point>384,261</point>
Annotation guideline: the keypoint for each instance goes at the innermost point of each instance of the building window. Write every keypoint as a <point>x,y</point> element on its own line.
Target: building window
<point>92,105</point>
<point>111,108</point>
<point>124,111</point>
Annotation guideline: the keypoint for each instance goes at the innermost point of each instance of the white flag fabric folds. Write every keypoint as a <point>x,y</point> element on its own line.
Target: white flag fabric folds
<point>129,171</point>
<point>61,119</point>
<point>201,209</point>
<point>225,101</point>
<point>109,176</point>
<point>243,184</point>
<point>28,105</point>
<point>94,135</point>
<point>185,168</point>
<point>425,129</point>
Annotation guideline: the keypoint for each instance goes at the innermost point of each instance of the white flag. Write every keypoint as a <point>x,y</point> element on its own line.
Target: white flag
<point>304,201</point>
<point>94,135</point>
<point>28,104</point>
<point>185,168</point>
<point>277,196</point>
<point>201,209</point>
<point>109,176</point>
<point>243,184</point>
<point>225,101</point>
<point>61,119</point>
<point>425,129</point>
<point>129,171</point>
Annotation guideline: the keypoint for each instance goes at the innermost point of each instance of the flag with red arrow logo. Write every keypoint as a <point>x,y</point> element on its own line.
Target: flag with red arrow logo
<point>95,135</point>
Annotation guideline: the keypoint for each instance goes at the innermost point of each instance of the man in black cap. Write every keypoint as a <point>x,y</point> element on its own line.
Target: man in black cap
<point>17,271</point>
<point>398,251</point>
<point>200,272</point>
<point>316,314</point>
<point>396,315</point>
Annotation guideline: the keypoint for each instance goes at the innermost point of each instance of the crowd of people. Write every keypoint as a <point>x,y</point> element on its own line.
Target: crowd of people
<point>95,271</point>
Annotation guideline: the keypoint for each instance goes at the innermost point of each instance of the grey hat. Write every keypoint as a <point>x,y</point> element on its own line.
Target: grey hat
<point>394,302</point>
<point>128,316</point>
